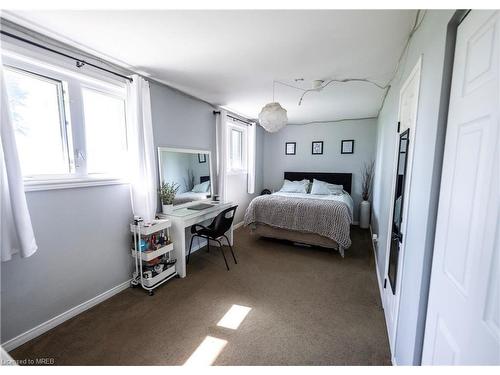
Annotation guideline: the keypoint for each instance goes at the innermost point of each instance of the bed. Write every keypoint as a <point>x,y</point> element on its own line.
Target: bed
<point>319,220</point>
<point>190,196</point>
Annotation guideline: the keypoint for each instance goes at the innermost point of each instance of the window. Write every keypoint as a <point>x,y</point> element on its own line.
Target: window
<point>105,132</point>
<point>39,123</point>
<point>237,148</point>
<point>68,127</point>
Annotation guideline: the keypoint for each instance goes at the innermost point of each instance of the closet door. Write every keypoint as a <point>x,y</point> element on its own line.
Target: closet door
<point>463,316</point>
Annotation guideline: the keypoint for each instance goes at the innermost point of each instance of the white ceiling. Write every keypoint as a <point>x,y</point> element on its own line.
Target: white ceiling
<point>231,58</point>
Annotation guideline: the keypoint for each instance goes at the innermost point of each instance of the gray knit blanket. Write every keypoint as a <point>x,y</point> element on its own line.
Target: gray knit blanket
<point>327,218</point>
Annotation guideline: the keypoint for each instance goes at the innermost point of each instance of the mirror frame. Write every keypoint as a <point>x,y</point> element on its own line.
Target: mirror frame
<point>188,151</point>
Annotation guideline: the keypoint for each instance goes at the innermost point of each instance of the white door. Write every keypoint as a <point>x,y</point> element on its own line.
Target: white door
<point>463,316</point>
<point>405,140</point>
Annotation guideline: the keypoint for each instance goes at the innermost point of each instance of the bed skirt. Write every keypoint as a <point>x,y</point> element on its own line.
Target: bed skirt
<point>264,230</point>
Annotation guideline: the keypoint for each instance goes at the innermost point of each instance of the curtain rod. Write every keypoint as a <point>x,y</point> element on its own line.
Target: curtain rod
<point>234,118</point>
<point>79,62</point>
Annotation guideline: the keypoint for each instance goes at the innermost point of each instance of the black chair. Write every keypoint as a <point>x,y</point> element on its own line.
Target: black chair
<point>215,231</point>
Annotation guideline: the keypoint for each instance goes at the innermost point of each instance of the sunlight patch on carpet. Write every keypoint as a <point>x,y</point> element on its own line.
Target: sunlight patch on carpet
<point>207,352</point>
<point>234,316</point>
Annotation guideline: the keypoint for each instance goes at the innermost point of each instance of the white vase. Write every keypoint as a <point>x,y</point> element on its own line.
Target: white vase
<point>167,208</point>
<point>364,214</point>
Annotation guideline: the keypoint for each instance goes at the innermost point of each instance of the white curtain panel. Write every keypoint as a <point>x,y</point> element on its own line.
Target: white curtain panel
<point>251,134</point>
<point>221,131</point>
<point>16,231</point>
<point>141,150</point>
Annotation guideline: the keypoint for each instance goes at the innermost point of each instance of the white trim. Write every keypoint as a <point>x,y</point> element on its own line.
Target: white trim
<point>236,226</point>
<point>416,71</point>
<point>61,318</point>
<point>70,183</point>
<point>381,291</point>
<point>233,125</point>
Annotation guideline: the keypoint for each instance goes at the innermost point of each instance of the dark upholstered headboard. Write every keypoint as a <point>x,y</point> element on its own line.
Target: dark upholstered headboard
<point>344,179</point>
<point>204,178</point>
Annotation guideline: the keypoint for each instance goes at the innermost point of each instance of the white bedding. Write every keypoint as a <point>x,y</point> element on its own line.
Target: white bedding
<point>345,198</point>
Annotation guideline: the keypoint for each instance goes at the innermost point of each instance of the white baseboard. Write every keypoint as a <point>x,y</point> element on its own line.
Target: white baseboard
<point>61,318</point>
<point>381,291</point>
<point>236,226</point>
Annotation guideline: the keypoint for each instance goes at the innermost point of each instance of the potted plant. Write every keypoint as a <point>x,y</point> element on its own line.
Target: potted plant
<point>366,189</point>
<point>167,193</point>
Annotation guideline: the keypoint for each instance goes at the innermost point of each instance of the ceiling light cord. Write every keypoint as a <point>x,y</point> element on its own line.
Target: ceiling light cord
<point>289,85</point>
<point>345,80</point>
<point>416,25</point>
<point>338,120</point>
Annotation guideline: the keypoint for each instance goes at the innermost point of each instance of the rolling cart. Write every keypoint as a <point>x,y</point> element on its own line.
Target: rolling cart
<point>152,251</point>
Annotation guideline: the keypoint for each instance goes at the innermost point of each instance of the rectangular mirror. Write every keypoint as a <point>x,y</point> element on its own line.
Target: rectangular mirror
<point>190,169</point>
<point>397,209</point>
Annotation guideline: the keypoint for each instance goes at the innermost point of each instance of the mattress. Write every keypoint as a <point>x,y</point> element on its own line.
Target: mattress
<point>308,215</point>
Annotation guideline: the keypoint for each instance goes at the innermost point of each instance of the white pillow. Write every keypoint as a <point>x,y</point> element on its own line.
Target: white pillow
<point>295,186</point>
<point>201,188</point>
<point>324,188</point>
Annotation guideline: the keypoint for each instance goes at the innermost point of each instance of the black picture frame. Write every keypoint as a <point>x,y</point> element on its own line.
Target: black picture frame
<point>347,146</point>
<point>291,144</point>
<point>202,158</point>
<point>317,144</point>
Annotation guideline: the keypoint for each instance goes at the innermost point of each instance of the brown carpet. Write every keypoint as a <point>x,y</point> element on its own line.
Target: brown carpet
<point>308,307</point>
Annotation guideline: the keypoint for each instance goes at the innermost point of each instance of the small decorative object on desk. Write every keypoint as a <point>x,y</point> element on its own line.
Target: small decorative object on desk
<point>366,189</point>
<point>167,193</point>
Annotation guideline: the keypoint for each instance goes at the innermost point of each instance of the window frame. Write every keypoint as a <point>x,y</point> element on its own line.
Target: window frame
<point>111,94</point>
<point>72,113</point>
<point>64,125</point>
<point>233,125</point>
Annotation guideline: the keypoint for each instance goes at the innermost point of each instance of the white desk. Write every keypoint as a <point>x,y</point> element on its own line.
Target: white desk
<point>183,218</point>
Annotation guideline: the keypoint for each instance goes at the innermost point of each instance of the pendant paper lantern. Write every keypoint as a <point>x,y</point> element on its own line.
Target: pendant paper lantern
<point>273,117</point>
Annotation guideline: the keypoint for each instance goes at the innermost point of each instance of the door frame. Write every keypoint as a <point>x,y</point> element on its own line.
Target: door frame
<point>416,71</point>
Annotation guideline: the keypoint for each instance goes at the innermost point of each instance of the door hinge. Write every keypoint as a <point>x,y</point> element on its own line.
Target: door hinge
<point>399,125</point>
<point>385,283</point>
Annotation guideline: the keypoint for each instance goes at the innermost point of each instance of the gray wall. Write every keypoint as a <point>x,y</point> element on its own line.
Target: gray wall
<point>428,42</point>
<point>276,162</point>
<point>83,243</point>
<point>180,120</point>
<point>82,252</point>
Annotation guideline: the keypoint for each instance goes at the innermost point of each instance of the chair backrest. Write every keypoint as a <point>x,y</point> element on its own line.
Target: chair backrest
<point>223,221</point>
